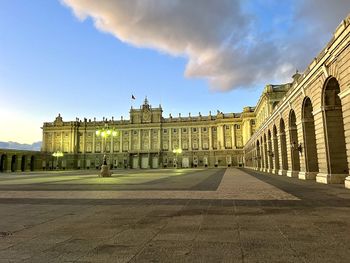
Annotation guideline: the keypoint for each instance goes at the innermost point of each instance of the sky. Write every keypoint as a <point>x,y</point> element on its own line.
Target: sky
<point>85,58</point>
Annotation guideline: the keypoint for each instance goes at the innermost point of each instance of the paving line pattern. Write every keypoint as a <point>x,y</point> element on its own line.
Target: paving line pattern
<point>235,185</point>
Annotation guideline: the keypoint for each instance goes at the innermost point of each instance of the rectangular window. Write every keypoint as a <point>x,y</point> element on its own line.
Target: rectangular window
<point>165,131</point>
<point>135,132</point>
<point>194,129</point>
<point>214,128</point>
<point>174,130</point>
<point>205,129</point>
<point>184,130</point>
<point>227,127</point>
<point>238,127</point>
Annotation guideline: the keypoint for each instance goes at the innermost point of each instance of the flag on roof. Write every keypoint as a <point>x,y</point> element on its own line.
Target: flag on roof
<point>133,97</point>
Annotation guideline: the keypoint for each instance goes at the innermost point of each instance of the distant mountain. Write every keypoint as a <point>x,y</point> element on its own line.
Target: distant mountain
<point>36,146</point>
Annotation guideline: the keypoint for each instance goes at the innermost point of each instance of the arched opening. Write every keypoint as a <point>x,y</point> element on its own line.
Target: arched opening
<point>13,163</point>
<point>32,163</point>
<point>23,163</point>
<point>283,145</point>
<point>311,162</point>
<point>274,105</point>
<point>269,151</point>
<point>293,135</point>
<point>275,148</point>
<point>334,128</point>
<point>3,162</point>
<point>258,156</point>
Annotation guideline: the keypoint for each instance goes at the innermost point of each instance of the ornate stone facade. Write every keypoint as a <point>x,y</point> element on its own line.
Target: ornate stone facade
<point>21,161</point>
<point>299,129</point>
<point>307,134</point>
<point>147,140</point>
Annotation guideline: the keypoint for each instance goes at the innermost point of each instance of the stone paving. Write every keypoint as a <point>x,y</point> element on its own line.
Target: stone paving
<point>194,215</point>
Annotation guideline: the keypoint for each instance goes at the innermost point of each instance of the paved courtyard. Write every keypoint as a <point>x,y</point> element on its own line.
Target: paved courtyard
<point>191,215</point>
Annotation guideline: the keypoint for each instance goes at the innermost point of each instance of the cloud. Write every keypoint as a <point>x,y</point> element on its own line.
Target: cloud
<point>230,43</point>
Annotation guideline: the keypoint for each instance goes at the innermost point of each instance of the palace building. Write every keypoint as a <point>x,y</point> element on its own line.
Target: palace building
<point>299,129</point>
<point>148,140</point>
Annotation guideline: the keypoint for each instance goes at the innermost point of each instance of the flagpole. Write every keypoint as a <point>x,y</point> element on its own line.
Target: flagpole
<point>132,100</point>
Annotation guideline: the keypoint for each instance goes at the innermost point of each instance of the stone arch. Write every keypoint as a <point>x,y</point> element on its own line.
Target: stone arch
<point>293,136</point>
<point>310,150</point>
<point>334,128</point>
<point>269,146</point>
<point>23,163</point>
<point>274,104</point>
<point>32,159</point>
<point>283,145</point>
<point>3,163</point>
<point>13,163</point>
<point>275,148</point>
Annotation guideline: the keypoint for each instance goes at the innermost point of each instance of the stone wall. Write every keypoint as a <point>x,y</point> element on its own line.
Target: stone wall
<point>310,127</point>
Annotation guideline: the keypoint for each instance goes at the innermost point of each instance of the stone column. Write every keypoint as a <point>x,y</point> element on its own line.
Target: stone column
<point>149,141</point>
<point>233,136</point>
<point>75,140</point>
<point>223,137</point>
<point>180,138</point>
<point>210,138</point>
<point>200,138</point>
<point>276,165</point>
<point>84,141</point>
<point>8,163</point>
<point>170,144</point>
<point>140,142</point>
<point>112,145</point>
<point>266,158</point>
<point>71,140</point>
<point>261,153</point>
<point>190,138</point>
<point>270,159</point>
<point>102,149</point>
<point>130,131</point>
<point>322,176</point>
<point>61,141</point>
<point>53,141</point>
<point>159,140</point>
<point>219,137</point>
<point>345,101</point>
<point>121,141</point>
<point>18,163</point>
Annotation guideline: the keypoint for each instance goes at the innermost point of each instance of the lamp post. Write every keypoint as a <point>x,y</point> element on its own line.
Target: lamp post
<point>177,152</point>
<point>104,133</point>
<point>57,155</point>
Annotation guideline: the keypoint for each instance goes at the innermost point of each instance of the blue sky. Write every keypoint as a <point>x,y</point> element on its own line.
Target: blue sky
<point>52,62</point>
